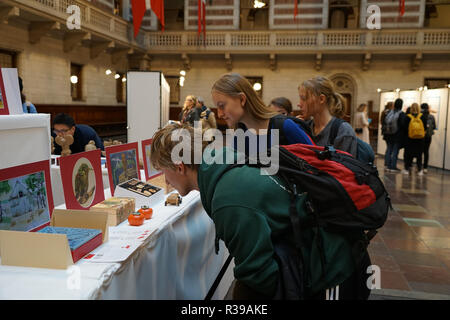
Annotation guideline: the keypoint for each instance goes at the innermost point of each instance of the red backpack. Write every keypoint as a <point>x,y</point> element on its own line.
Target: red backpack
<point>344,192</point>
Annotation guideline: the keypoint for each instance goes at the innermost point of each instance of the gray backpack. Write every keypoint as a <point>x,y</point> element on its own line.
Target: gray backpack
<point>391,122</point>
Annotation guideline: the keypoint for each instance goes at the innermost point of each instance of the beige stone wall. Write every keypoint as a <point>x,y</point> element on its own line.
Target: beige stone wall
<point>386,72</point>
<point>45,69</point>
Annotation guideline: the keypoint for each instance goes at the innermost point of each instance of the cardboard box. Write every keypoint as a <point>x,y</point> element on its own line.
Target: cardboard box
<point>144,193</point>
<point>42,250</point>
<point>118,209</point>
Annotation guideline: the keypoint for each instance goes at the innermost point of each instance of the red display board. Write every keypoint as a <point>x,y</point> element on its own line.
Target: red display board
<point>150,172</point>
<point>26,199</point>
<point>82,181</point>
<point>122,163</point>
<point>3,102</point>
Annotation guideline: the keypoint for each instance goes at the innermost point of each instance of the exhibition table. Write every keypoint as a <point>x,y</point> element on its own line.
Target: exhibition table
<point>175,260</point>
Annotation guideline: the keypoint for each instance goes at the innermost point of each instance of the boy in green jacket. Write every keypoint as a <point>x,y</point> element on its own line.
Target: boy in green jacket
<point>249,210</point>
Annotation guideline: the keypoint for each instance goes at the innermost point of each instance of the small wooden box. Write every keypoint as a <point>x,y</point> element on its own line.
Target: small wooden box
<point>118,208</point>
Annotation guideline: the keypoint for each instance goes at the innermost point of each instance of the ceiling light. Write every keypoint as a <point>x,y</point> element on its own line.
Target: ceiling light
<point>258,4</point>
<point>116,76</point>
<point>108,72</point>
<point>378,90</point>
<point>183,73</point>
<point>124,79</point>
<point>74,79</point>
<point>257,86</point>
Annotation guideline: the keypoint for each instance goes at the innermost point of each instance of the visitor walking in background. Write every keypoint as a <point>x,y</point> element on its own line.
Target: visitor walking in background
<point>415,129</point>
<point>430,126</point>
<point>27,106</point>
<point>282,105</point>
<point>394,135</point>
<point>362,123</point>
<point>189,113</point>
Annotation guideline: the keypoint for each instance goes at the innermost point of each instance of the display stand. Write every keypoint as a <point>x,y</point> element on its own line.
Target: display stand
<point>24,138</point>
<point>148,102</point>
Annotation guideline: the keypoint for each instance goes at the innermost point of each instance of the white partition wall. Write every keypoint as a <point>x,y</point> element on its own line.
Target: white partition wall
<point>147,104</point>
<point>447,133</point>
<point>409,97</point>
<point>165,100</point>
<point>437,99</point>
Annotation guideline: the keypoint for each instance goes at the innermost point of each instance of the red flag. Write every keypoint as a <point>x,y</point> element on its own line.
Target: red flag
<point>401,7</point>
<point>158,9</point>
<point>140,6</point>
<point>295,9</point>
<point>202,18</point>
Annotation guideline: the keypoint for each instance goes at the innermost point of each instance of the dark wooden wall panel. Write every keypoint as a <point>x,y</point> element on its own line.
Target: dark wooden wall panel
<point>106,120</point>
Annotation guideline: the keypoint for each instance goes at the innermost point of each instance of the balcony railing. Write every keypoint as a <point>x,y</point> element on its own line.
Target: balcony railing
<point>306,41</point>
<point>92,18</point>
<point>112,27</point>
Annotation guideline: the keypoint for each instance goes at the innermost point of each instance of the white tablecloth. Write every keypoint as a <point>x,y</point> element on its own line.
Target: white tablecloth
<point>177,261</point>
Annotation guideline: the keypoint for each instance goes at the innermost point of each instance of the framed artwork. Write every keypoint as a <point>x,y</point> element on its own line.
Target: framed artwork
<point>150,171</point>
<point>82,181</point>
<point>123,164</point>
<point>26,199</point>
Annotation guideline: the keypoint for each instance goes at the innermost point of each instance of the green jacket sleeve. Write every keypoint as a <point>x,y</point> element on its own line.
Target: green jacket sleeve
<point>247,236</point>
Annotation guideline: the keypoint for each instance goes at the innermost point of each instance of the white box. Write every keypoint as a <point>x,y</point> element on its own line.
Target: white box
<point>143,198</point>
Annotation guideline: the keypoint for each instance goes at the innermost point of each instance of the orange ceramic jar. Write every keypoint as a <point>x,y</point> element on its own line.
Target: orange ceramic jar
<point>146,211</point>
<point>136,219</point>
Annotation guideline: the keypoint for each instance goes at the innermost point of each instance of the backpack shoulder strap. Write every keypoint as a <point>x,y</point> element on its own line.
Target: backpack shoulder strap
<point>336,123</point>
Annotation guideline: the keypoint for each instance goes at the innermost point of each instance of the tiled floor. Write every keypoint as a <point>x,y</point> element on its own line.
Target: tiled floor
<point>413,248</point>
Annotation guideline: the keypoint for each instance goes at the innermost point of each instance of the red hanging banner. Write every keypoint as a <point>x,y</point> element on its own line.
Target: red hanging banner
<point>401,7</point>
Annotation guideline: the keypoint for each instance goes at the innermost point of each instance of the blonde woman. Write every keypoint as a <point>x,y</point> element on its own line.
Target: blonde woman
<point>362,123</point>
<point>189,113</point>
<point>415,145</point>
<point>240,106</point>
<point>323,106</point>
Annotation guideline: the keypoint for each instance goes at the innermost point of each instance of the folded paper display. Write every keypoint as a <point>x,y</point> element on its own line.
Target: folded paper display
<point>81,241</point>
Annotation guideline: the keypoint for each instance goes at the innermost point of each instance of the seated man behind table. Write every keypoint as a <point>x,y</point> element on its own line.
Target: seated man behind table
<point>63,124</point>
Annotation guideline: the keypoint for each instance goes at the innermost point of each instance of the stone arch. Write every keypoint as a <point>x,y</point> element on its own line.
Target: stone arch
<point>346,85</point>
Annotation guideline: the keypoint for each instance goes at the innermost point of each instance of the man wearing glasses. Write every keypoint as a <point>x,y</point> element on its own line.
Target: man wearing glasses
<point>63,125</point>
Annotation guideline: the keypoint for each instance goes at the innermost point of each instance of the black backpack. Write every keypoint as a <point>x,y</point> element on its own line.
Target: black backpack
<point>344,196</point>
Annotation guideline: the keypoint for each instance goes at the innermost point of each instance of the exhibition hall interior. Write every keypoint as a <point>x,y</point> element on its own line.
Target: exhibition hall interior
<point>90,207</point>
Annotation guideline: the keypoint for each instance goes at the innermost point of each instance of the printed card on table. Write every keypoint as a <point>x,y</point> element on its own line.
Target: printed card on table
<point>26,199</point>
<point>122,163</point>
<point>82,181</point>
<point>150,171</point>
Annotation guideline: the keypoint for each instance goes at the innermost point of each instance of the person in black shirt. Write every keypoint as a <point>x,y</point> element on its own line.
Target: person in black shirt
<point>63,124</point>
